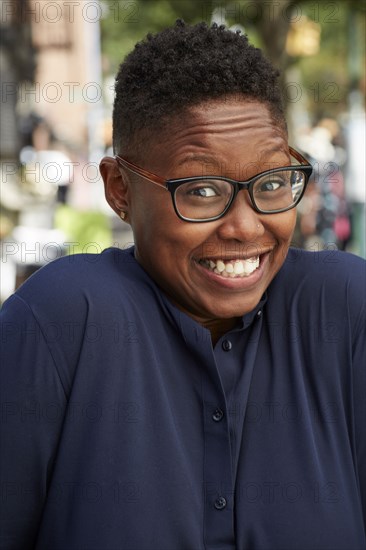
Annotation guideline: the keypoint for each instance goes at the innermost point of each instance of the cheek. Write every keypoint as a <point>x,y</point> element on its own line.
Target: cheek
<point>158,230</point>
<point>147,207</point>
<point>284,225</point>
<point>157,213</point>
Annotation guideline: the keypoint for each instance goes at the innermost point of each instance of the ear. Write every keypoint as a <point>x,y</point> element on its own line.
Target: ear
<point>115,185</point>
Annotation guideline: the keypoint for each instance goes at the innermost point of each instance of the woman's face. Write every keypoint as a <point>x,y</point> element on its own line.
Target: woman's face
<point>237,139</point>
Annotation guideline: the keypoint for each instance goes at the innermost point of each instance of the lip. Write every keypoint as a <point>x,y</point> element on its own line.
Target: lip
<point>239,283</point>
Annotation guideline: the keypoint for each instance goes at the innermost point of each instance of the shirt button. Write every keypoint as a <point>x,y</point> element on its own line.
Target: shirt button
<point>259,314</point>
<point>218,415</point>
<point>220,503</point>
<point>227,345</point>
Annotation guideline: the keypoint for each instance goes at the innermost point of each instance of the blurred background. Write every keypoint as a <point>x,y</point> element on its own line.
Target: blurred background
<point>58,62</point>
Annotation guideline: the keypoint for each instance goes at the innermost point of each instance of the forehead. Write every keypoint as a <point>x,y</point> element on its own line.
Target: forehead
<point>218,130</point>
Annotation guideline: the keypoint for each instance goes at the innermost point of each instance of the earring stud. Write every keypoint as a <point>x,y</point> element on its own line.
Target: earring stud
<point>122,215</point>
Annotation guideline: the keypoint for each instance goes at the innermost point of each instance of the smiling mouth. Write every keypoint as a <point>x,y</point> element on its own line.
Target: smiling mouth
<point>234,268</point>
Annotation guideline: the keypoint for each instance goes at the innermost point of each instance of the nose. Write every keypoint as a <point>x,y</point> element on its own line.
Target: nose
<point>241,223</point>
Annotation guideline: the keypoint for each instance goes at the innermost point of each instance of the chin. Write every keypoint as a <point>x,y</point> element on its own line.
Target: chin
<point>229,311</point>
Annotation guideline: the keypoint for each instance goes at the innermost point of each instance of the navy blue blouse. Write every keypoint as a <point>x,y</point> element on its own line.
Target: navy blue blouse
<point>124,429</point>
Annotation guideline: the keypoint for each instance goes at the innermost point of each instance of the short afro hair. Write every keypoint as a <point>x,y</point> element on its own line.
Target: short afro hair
<point>184,66</point>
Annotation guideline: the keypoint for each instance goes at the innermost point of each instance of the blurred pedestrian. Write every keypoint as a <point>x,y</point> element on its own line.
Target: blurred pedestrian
<point>325,221</point>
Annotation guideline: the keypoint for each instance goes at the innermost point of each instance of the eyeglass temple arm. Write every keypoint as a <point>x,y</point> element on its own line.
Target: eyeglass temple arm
<point>141,172</point>
<point>298,157</point>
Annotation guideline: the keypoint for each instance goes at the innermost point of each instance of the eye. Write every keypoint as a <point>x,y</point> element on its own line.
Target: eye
<point>272,185</point>
<point>203,191</point>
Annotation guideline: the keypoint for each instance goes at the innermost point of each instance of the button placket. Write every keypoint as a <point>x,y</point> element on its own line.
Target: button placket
<point>218,481</point>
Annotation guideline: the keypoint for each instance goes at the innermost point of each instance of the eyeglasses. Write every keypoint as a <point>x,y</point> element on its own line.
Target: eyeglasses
<point>208,198</point>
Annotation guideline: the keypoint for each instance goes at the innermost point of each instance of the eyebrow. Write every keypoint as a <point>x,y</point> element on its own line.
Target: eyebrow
<point>199,157</point>
<point>208,159</point>
<point>274,149</point>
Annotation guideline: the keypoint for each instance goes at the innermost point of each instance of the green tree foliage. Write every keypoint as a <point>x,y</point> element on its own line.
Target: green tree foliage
<point>128,21</point>
<point>325,77</point>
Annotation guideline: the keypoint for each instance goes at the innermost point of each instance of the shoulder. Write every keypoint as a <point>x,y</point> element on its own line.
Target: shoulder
<point>80,269</point>
<point>70,305</point>
<point>333,267</point>
<point>72,286</point>
<point>324,260</point>
<point>329,284</point>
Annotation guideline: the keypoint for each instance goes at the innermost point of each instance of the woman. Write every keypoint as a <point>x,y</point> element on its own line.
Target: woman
<point>204,389</point>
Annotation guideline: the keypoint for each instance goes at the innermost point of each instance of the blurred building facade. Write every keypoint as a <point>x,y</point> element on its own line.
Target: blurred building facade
<point>18,65</point>
<point>65,88</point>
<point>52,118</point>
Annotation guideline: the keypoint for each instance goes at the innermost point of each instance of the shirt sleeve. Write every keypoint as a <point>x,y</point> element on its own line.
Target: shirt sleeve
<point>33,404</point>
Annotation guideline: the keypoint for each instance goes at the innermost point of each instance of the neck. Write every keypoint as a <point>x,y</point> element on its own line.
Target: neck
<point>218,327</point>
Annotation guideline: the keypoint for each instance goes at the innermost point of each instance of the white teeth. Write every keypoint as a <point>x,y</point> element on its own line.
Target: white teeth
<point>249,268</point>
<point>234,268</point>
<point>220,266</point>
<point>238,268</point>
